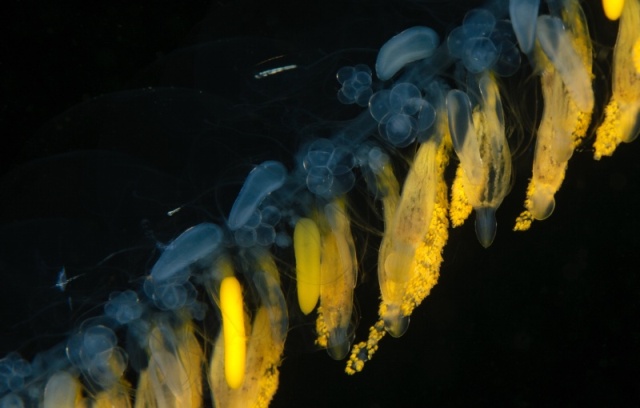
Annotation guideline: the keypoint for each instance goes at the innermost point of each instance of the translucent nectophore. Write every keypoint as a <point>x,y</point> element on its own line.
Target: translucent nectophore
<point>289,177</point>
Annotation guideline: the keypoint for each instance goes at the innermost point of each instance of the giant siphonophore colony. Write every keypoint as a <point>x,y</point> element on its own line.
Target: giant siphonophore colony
<point>270,254</point>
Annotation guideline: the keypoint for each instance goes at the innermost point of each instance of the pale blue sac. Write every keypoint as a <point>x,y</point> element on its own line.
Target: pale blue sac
<point>329,169</point>
<point>262,181</point>
<point>123,307</point>
<point>192,246</point>
<point>95,352</point>
<point>524,26</point>
<point>413,44</point>
<point>483,43</point>
<point>402,113</point>
<point>168,283</point>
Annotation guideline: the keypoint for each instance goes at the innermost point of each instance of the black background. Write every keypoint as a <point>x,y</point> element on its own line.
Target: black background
<point>543,318</point>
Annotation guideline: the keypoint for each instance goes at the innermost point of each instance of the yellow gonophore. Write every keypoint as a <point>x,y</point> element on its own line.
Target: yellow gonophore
<point>338,272</point>
<point>265,344</point>
<point>563,125</point>
<point>401,239</point>
<point>225,291</point>
<point>261,381</point>
<point>405,283</point>
<point>612,8</point>
<point>306,243</point>
<point>232,309</point>
<point>484,173</point>
<point>621,122</point>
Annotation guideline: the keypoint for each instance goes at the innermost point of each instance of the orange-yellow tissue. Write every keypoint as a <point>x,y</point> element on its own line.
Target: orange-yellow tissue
<point>235,347</point>
<point>62,390</point>
<point>173,376</point>
<point>622,114</point>
<point>338,272</point>
<point>306,245</point>
<point>266,332</point>
<point>563,125</point>
<point>612,8</point>
<point>483,178</point>
<point>406,283</point>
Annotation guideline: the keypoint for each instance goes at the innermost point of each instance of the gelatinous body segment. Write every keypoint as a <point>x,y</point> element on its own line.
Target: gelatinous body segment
<point>564,123</point>
<point>401,239</point>
<point>403,115</point>
<point>259,230</point>
<point>62,390</point>
<point>559,47</point>
<point>124,307</point>
<point>480,142</point>
<point>168,284</point>
<point>622,114</point>
<point>464,136</point>
<point>356,84</point>
<point>483,43</point>
<point>14,372</point>
<point>196,244</point>
<point>266,281</point>
<point>427,256</point>
<point>382,180</point>
<point>329,169</point>
<point>408,229</point>
<point>411,45</point>
<point>524,25</point>
<point>262,181</point>
<point>94,351</point>
<point>173,376</point>
<point>338,271</point>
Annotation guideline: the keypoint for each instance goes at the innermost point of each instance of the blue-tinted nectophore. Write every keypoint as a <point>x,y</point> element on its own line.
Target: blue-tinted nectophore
<point>441,93</point>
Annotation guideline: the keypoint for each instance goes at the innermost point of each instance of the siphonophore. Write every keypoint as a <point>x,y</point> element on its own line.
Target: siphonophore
<point>265,190</point>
